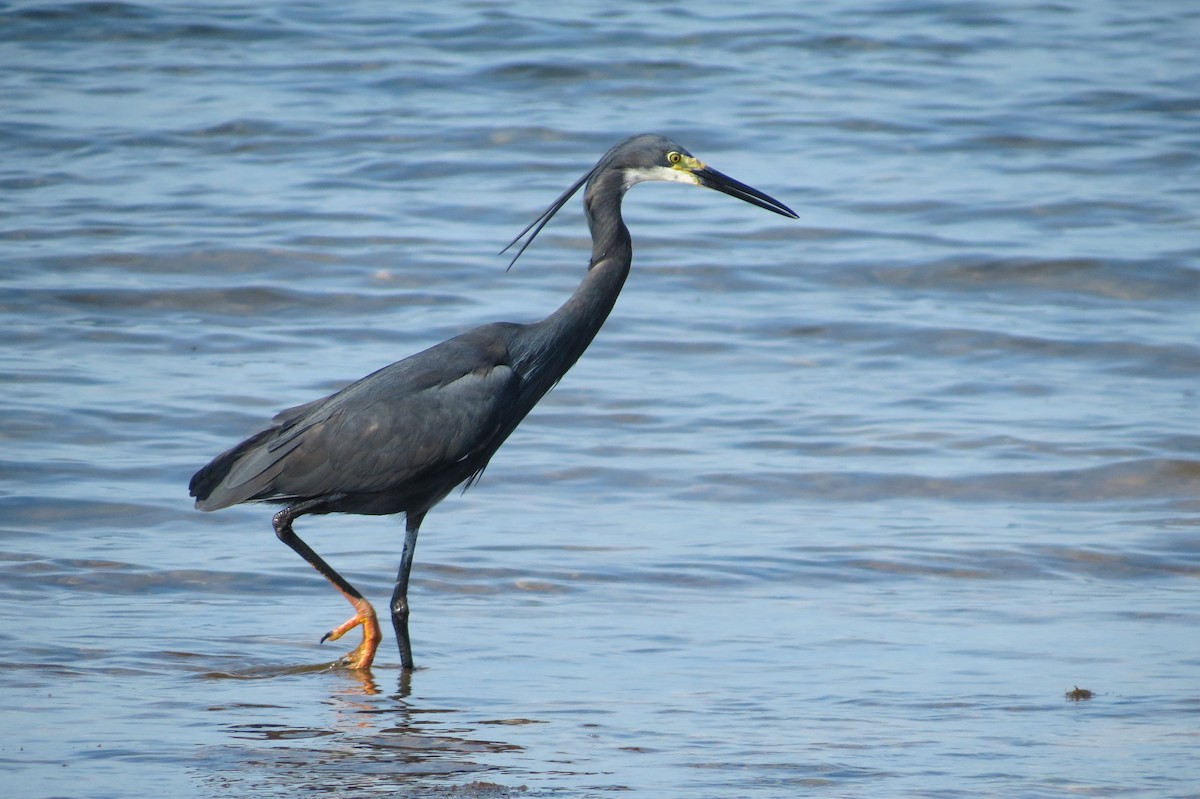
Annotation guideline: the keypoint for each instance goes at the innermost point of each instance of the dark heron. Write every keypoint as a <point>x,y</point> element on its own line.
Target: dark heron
<point>400,439</point>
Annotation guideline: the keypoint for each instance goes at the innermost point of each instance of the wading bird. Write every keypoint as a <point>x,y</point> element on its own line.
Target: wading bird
<point>400,439</point>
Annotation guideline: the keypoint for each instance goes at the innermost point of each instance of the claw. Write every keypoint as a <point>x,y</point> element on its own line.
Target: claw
<point>363,655</point>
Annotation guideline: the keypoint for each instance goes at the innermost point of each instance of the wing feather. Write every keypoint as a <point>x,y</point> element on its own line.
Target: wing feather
<point>410,421</point>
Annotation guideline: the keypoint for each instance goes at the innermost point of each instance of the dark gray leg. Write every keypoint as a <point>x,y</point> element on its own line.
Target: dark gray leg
<point>400,594</point>
<point>364,614</point>
<point>283,529</point>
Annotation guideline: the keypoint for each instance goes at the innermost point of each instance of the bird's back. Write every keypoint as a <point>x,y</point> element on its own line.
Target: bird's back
<point>397,440</point>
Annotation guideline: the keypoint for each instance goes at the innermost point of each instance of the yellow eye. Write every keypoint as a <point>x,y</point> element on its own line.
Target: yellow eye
<point>674,158</point>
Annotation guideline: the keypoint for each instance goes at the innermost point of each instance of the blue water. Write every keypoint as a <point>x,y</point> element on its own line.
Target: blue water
<point>840,506</point>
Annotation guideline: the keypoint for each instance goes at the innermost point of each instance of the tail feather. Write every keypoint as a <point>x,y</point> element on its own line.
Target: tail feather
<point>207,485</point>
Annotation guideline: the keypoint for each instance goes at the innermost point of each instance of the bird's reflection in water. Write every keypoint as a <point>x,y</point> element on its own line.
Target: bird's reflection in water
<point>359,739</point>
<point>362,682</point>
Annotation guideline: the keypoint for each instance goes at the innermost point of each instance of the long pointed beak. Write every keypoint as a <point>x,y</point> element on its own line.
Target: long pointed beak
<point>712,179</point>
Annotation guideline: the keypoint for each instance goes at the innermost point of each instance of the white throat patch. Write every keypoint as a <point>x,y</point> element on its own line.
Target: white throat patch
<point>632,177</point>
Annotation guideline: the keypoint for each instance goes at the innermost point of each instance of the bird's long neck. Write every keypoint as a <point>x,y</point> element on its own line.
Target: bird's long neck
<point>559,339</point>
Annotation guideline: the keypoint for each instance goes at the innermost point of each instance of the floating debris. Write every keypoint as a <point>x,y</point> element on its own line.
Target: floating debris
<point>1079,694</point>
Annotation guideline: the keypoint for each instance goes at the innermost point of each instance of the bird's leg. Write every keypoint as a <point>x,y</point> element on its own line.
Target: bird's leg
<point>364,614</point>
<point>400,594</point>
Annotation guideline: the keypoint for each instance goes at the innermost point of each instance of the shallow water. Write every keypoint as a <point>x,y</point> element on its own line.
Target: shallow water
<point>838,507</point>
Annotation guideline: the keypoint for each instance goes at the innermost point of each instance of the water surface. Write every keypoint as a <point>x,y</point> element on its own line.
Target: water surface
<point>838,507</point>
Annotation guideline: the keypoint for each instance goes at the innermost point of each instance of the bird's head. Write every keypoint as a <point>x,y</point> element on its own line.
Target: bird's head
<point>648,156</point>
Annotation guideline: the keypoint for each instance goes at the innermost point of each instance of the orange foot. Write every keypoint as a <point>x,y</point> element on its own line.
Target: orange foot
<point>364,653</point>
